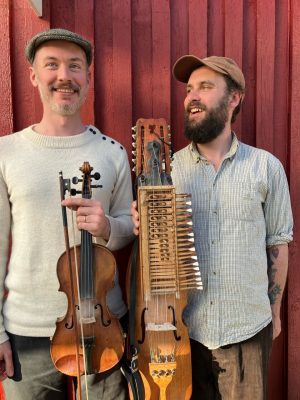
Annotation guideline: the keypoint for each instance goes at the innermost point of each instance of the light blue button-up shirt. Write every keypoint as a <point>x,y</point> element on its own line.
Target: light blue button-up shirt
<point>238,211</point>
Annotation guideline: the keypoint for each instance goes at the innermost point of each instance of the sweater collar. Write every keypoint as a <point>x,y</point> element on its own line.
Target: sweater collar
<point>59,141</point>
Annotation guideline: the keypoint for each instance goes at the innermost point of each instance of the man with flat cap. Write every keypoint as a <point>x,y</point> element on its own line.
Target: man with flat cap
<point>242,226</point>
<point>31,214</point>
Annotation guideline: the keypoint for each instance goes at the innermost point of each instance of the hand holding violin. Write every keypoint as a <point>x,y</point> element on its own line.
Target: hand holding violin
<point>135,218</point>
<point>6,363</point>
<point>90,216</point>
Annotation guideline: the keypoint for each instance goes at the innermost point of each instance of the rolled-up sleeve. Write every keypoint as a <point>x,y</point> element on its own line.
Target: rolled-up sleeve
<point>278,211</point>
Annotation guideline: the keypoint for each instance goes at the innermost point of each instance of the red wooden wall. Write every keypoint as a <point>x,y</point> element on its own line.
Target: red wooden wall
<point>136,42</point>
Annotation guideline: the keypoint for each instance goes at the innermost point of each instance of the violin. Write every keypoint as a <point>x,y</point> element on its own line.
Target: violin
<point>166,268</point>
<point>87,340</point>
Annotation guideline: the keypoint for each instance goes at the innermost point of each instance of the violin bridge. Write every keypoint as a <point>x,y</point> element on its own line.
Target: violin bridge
<point>166,326</point>
<point>87,320</point>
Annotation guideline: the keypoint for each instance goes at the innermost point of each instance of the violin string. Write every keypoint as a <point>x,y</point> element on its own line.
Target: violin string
<point>156,180</point>
<point>79,305</point>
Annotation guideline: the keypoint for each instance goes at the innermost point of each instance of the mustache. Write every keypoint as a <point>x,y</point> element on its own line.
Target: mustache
<point>196,104</point>
<point>69,86</point>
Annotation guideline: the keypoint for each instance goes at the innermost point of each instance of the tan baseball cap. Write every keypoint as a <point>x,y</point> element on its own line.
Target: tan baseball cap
<point>58,34</point>
<point>185,65</point>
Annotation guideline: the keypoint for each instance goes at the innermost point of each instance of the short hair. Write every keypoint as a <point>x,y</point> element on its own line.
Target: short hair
<point>233,86</point>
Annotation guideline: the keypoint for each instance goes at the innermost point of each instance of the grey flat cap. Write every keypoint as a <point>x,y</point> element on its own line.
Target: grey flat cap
<point>58,34</point>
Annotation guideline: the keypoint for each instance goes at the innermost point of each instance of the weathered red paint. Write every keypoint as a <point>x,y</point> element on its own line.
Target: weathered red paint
<point>135,44</point>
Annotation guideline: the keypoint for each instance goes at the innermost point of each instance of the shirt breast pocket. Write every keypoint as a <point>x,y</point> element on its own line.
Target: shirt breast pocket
<point>240,201</point>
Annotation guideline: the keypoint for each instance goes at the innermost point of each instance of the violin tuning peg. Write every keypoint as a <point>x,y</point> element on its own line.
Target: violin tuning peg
<point>75,180</point>
<point>134,128</point>
<point>96,176</point>
<point>73,192</point>
<point>134,145</point>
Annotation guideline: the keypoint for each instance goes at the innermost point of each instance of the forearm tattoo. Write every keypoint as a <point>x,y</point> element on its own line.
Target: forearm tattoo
<point>274,288</point>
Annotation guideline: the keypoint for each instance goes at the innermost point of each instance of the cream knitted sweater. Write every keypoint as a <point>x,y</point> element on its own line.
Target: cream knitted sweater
<point>30,209</point>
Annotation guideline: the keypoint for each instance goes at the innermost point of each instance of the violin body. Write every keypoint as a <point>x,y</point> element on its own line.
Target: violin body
<point>166,269</point>
<point>88,339</point>
<point>103,337</point>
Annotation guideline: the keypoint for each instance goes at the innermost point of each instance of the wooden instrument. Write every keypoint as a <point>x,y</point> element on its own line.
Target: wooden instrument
<point>167,268</point>
<point>87,339</point>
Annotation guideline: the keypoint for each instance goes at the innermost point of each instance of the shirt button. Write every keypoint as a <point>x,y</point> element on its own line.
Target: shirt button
<point>211,303</point>
<point>215,273</point>
<point>212,242</point>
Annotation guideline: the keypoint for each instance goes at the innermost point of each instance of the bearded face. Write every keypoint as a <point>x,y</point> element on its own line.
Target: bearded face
<point>64,89</point>
<point>62,77</point>
<point>211,126</point>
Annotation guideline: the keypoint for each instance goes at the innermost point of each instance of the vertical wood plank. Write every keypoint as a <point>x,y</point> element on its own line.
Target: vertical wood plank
<point>281,79</point>
<point>103,65</point>
<point>215,23</point>
<point>6,111</point>
<point>278,371</point>
<point>142,59</point>
<point>26,103</point>
<point>121,69</point>
<point>198,27</point>
<point>84,25</point>
<point>248,132</point>
<point>293,390</point>
<point>265,74</point>
<point>161,50</point>
<point>62,14</point>
<point>233,46</point>
<point>179,47</point>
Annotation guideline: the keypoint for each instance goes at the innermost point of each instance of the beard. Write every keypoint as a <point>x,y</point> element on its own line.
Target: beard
<point>62,109</point>
<point>211,126</point>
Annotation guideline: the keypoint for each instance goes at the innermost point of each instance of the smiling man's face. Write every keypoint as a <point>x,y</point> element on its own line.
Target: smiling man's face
<point>206,105</point>
<point>61,74</point>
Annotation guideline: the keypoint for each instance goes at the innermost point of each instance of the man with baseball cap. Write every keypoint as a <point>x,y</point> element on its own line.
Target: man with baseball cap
<point>30,211</point>
<point>242,225</point>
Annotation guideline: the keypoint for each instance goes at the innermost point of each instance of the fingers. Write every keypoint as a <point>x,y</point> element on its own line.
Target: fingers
<point>276,326</point>
<point>75,202</point>
<point>90,216</point>
<point>6,362</point>
<point>135,218</point>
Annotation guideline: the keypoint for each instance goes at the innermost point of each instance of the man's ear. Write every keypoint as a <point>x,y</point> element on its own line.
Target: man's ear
<point>32,75</point>
<point>236,99</point>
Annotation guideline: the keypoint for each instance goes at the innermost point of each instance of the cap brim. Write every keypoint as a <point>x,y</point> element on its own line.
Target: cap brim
<point>184,66</point>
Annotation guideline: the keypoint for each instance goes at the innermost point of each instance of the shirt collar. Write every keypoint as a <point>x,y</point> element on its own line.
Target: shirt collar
<point>196,156</point>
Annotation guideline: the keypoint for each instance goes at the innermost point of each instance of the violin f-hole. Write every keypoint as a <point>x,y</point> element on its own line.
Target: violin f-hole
<point>104,323</point>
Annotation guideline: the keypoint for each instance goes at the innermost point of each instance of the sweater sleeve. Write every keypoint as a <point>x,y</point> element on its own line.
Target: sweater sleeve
<point>5,221</point>
<point>121,228</point>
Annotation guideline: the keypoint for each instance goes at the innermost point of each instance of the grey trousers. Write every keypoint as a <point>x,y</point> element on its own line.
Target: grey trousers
<point>36,378</point>
<point>234,372</point>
